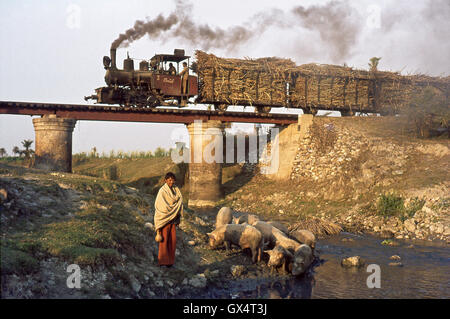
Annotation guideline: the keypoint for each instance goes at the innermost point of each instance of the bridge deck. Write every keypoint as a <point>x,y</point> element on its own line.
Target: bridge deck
<point>159,115</point>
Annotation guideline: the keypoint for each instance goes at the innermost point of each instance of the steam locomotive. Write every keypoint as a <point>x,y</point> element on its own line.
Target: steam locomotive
<point>152,85</point>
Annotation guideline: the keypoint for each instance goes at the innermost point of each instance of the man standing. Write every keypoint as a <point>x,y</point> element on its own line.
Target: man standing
<point>168,212</point>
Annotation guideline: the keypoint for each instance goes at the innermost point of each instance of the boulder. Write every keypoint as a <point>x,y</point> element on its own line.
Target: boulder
<point>354,261</point>
<point>410,225</point>
<point>198,281</point>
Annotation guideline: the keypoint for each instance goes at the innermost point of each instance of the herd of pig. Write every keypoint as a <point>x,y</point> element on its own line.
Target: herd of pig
<point>291,251</point>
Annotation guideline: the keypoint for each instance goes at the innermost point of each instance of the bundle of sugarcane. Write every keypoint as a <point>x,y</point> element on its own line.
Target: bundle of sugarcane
<point>247,82</point>
<point>319,227</point>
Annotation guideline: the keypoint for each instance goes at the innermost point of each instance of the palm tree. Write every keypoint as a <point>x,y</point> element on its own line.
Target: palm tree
<point>27,151</point>
<point>3,152</point>
<point>16,150</point>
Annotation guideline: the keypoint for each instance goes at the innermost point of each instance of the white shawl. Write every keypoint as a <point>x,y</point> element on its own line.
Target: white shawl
<point>168,206</point>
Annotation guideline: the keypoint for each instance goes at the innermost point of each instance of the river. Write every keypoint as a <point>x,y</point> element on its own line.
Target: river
<point>425,273</point>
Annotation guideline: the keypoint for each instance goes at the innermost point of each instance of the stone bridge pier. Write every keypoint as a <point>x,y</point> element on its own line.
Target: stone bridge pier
<point>205,165</point>
<point>53,143</point>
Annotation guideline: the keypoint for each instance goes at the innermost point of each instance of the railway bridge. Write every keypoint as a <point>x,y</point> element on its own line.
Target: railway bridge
<point>54,127</point>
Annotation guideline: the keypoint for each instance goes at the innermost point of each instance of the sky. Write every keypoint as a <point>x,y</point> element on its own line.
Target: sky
<point>52,50</point>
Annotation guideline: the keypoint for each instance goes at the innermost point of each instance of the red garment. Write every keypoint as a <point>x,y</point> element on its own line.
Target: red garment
<point>166,253</point>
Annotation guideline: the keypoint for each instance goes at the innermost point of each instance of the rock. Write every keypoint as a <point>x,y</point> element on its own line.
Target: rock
<point>191,243</point>
<point>354,261</point>
<point>347,239</point>
<point>395,257</point>
<point>439,229</point>
<point>237,270</point>
<point>106,296</point>
<point>389,242</point>
<point>199,281</point>
<point>410,225</point>
<point>396,264</point>
<point>135,284</point>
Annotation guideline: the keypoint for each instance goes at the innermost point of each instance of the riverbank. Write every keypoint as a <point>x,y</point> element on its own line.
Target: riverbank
<point>365,174</point>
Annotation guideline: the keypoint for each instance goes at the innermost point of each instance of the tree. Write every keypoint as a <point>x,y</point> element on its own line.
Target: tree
<point>27,151</point>
<point>16,151</point>
<point>3,152</point>
<point>94,152</point>
<point>160,152</point>
<point>374,64</point>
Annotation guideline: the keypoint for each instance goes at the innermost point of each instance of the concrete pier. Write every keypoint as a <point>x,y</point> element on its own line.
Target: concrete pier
<point>205,167</point>
<point>53,143</point>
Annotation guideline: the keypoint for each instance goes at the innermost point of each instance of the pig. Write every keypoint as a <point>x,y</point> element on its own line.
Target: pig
<point>279,256</point>
<point>246,218</point>
<point>245,236</point>
<point>284,241</point>
<point>266,231</point>
<point>280,226</point>
<point>304,236</point>
<point>224,216</point>
<point>303,258</point>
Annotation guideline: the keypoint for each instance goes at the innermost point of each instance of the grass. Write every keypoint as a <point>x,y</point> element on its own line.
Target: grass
<point>390,204</point>
<point>14,261</point>
<point>94,236</point>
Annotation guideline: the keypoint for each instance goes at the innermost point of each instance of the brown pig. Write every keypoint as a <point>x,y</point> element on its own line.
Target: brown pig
<point>303,258</point>
<point>279,256</point>
<point>267,232</point>
<point>246,218</point>
<point>283,240</point>
<point>305,237</point>
<point>245,236</point>
<point>224,216</point>
<point>280,226</point>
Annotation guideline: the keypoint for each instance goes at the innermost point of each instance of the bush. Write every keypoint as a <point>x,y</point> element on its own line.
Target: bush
<point>414,205</point>
<point>390,205</point>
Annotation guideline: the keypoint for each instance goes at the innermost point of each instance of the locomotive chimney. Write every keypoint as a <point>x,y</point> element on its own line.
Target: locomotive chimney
<point>113,58</point>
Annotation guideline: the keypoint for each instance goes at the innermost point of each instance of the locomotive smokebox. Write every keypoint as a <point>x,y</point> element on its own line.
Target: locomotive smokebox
<point>113,58</point>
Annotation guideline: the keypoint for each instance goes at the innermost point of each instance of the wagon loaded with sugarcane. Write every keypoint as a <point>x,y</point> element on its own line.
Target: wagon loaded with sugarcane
<point>263,83</point>
<point>273,82</point>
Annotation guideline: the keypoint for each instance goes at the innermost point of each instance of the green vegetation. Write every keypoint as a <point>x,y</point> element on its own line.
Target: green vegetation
<point>84,157</point>
<point>94,236</point>
<point>14,261</point>
<point>414,205</point>
<point>391,204</point>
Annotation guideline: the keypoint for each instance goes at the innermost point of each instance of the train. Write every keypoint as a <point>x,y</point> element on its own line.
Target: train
<point>310,87</point>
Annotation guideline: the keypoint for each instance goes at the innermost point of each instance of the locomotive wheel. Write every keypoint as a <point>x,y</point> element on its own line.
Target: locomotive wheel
<point>221,107</point>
